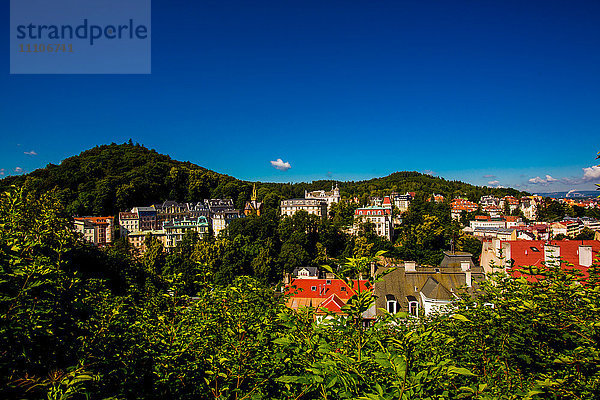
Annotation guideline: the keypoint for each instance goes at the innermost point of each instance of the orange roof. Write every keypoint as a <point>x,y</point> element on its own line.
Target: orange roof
<point>323,289</point>
<point>333,304</point>
<point>94,220</point>
<point>531,252</point>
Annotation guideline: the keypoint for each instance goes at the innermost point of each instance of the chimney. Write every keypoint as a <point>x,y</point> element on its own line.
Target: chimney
<point>552,254</point>
<point>468,279</point>
<point>374,269</point>
<point>465,265</point>
<point>585,256</point>
<point>410,266</point>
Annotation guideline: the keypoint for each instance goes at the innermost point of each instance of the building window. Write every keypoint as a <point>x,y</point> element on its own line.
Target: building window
<point>413,308</point>
<point>313,288</point>
<point>391,304</point>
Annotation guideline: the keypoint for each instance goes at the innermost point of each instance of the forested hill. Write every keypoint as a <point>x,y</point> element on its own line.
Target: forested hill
<point>400,182</point>
<point>112,178</point>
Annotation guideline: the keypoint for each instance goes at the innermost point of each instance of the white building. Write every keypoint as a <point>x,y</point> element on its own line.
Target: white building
<point>128,222</point>
<point>222,219</point>
<point>478,223</point>
<point>311,206</point>
<point>175,230</point>
<point>591,223</point>
<point>330,197</point>
<point>381,217</point>
<point>402,201</point>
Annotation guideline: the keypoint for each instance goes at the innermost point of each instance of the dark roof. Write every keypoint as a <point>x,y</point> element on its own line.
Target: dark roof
<point>454,259</point>
<point>435,283</point>
<point>432,289</point>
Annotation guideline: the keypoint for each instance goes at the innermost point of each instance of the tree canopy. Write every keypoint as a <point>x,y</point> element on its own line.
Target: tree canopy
<point>116,177</point>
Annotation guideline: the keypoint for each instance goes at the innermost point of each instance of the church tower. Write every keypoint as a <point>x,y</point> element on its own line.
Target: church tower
<point>253,206</point>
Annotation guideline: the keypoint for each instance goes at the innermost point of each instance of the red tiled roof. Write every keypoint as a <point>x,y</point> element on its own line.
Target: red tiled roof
<point>94,220</point>
<point>333,304</point>
<point>324,290</point>
<point>524,253</point>
<point>373,211</point>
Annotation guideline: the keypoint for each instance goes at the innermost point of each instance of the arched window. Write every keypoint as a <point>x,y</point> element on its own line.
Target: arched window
<point>391,305</point>
<point>413,306</point>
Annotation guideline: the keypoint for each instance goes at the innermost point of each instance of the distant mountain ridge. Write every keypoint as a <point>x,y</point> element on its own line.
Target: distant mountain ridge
<point>111,178</point>
<point>571,194</point>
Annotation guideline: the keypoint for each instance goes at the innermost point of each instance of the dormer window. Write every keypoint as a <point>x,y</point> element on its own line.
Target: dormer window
<point>313,288</point>
<point>391,304</point>
<point>413,305</point>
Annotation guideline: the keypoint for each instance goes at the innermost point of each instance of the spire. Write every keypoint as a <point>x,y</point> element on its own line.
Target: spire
<point>253,198</point>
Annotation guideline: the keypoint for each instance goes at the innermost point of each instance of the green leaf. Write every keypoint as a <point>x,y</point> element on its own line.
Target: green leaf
<point>460,317</point>
<point>283,341</point>
<point>460,371</point>
<point>287,379</point>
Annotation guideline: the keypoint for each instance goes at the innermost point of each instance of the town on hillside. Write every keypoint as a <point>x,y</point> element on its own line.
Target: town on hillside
<point>510,231</point>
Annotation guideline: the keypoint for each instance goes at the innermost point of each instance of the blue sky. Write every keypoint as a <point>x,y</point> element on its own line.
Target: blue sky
<point>500,93</point>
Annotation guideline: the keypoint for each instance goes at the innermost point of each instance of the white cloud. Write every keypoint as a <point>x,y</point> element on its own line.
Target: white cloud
<point>542,181</point>
<point>536,180</point>
<point>18,170</point>
<point>2,171</point>
<point>489,176</point>
<point>493,183</point>
<point>592,173</point>
<point>280,165</point>
<point>429,172</point>
<point>30,153</point>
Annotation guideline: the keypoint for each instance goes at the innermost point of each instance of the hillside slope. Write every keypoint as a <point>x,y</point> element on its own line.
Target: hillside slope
<point>112,178</point>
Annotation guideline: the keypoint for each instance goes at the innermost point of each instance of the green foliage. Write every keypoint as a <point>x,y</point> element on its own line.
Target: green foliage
<point>426,231</point>
<point>78,322</point>
<point>551,210</point>
<point>400,182</point>
<point>112,178</point>
<point>469,244</point>
<point>529,339</point>
<point>38,296</point>
<point>585,234</point>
